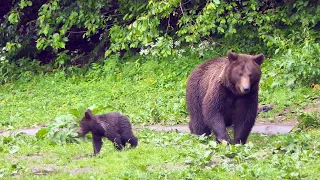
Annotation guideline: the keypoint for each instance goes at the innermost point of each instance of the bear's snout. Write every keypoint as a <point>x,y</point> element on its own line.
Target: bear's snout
<point>244,85</point>
<point>80,132</point>
<point>245,89</point>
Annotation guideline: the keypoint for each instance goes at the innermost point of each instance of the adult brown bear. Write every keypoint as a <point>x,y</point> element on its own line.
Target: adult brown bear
<point>223,92</point>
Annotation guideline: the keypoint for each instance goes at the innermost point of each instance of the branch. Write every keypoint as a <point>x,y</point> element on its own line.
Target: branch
<point>76,32</point>
<point>168,25</point>
<point>181,9</point>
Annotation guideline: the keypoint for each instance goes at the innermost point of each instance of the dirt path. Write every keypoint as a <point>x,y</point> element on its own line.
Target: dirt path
<point>258,128</point>
<point>261,126</point>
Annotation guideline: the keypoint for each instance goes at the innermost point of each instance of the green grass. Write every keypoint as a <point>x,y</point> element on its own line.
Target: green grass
<point>165,155</point>
<point>147,91</point>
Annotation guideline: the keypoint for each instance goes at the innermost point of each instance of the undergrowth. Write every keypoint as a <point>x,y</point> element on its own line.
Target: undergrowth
<point>147,90</point>
<point>164,155</point>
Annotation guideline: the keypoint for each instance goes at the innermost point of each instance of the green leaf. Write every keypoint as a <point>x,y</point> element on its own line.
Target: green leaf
<point>216,1</point>
<point>56,36</point>
<point>41,133</point>
<point>253,7</point>
<point>210,6</point>
<point>14,149</point>
<point>13,18</point>
<point>76,112</point>
<point>107,53</point>
<point>220,29</point>
<point>61,45</point>
<point>208,155</point>
<point>23,4</point>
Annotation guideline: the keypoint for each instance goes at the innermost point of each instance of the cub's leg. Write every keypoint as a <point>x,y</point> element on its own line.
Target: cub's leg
<point>128,137</point>
<point>97,143</point>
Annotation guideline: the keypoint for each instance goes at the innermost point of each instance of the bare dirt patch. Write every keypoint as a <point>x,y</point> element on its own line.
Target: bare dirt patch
<point>44,169</point>
<point>37,167</point>
<point>288,116</point>
<point>313,108</point>
<point>76,171</point>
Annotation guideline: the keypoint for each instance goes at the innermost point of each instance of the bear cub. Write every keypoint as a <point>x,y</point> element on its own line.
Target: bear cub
<point>114,126</point>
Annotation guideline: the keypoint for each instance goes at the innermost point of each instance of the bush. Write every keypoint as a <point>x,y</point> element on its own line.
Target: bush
<point>308,121</point>
<point>299,65</point>
<point>76,33</point>
<point>62,131</point>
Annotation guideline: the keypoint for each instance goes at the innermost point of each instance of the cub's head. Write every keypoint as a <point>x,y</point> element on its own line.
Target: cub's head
<point>86,123</point>
<point>244,71</point>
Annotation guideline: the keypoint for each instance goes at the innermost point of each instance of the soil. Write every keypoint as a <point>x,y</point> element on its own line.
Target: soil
<point>37,168</point>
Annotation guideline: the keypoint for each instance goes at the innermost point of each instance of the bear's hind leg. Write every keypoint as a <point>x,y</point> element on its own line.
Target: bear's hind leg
<point>214,116</point>
<point>116,139</point>
<point>193,100</point>
<point>199,128</point>
<point>196,124</point>
<point>133,141</point>
<point>128,137</point>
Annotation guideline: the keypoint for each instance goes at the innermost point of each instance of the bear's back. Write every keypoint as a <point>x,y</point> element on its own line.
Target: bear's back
<point>212,69</point>
<point>206,73</point>
<point>115,121</point>
<point>111,118</point>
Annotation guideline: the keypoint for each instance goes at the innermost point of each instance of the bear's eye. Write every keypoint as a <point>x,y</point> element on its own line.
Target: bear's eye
<point>250,75</point>
<point>240,74</point>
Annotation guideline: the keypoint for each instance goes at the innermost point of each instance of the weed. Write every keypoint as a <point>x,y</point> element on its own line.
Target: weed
<point>308,121</point>
<point>62,131</point>
<point>168,155</point>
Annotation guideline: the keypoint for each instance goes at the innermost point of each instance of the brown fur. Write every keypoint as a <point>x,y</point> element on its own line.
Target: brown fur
<point>223,92</point>
<point>114,126</point>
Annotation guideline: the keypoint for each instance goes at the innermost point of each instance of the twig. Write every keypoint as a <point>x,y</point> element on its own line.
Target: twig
<point>168,25</point>
<point>181,9</point>
<point>76,32</point>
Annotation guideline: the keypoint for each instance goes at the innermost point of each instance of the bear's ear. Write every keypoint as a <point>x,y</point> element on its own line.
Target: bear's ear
<point>88,114</point>
<point>258,59</point>
<point>232,56</point>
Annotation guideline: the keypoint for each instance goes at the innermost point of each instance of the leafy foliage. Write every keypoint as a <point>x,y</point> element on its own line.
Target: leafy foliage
<point>62,131</point>
<point>308,121</point>
<point>299,65</point>
<point>168,155</point>
<point>147,90</point>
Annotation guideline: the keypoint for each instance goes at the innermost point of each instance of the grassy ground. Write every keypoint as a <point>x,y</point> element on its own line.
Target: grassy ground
<point>148,92</point>
<point>164,156</point>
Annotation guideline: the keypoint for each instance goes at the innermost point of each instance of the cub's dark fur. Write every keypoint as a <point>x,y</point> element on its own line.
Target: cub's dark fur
<point>114,126</point>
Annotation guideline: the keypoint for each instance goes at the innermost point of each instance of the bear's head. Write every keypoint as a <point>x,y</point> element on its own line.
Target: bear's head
<point>244,71</point>
<point>86,123</point>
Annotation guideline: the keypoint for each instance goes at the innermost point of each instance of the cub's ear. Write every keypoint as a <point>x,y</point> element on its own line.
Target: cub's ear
<point>88,114</point>
<point>258,59</point>
<point>232,56</point>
